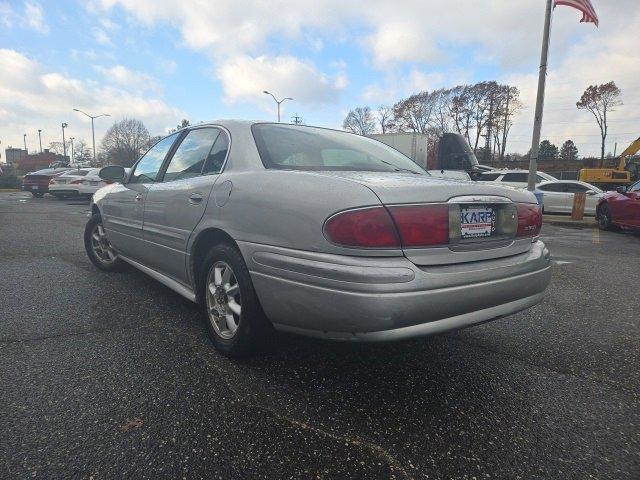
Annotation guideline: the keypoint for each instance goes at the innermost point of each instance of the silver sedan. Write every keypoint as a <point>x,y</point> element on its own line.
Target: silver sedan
<point>317,232</point>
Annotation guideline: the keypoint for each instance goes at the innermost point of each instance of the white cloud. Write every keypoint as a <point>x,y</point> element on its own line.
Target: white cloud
<point>128,78</point>
<point>33,18</point>
<point>245,78</point>
<point>34,97</point>
<point>100,36</point>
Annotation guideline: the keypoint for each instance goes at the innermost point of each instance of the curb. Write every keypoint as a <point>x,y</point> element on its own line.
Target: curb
<point>568,222</point>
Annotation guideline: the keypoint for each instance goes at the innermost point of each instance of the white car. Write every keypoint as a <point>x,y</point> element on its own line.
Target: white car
<point>514,178</point>
<point>81,182</point>
<point>558,196</point>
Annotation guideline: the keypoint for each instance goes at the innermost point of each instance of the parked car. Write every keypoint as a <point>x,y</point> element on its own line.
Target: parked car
<point>81,183</point>
<point>316,232</point>
<point>38,182</point>
<point>513,178</point>
<point>558,196</point>
<point>620,208</point>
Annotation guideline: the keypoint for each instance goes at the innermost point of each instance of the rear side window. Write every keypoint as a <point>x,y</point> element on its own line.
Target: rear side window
<point>147,168</point>
<point>552,187</point>
<point>490,177</point>
<point>217,156</point>
<point>191,155</point>
<point>576,188</point>
<point>515,177</point>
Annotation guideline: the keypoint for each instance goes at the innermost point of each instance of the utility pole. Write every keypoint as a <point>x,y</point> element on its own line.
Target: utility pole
<point>93,132</point>
<point>296,119</point>
<point>542,78</point>
<point>40,139</point>
<point>24,139</point>
<point>64,143</point>
<point>278,102</point>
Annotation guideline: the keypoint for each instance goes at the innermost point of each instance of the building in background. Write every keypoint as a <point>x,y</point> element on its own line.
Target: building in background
<point>38,161</point>
<point>13,156</point>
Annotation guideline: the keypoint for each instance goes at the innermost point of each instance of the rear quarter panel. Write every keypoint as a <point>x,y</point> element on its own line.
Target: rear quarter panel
<point>286,209</point>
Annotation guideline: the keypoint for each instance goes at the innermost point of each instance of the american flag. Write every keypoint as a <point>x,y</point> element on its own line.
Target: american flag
<point>588,12</point>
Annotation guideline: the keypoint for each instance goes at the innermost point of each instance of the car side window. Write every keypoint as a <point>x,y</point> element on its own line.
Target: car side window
<point>191,155</point>
<point>490,177</point>
<point>514,177</point>
<point>147,168</point>
<point>552,187</point>
<point>576,188</point>
<point>217,155</point>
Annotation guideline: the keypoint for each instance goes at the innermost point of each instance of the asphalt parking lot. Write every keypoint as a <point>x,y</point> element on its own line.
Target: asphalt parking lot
<point>112,376</point>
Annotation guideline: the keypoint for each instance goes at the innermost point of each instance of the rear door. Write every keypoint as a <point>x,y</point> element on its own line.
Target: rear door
<point>124,208</point>
<point>176,203</point>
<point>554,197</point>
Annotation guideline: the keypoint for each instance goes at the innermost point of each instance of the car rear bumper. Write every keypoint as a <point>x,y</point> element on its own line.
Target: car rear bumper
<point>36,188</point>
<point>375,299</point>
<point>63,190</point>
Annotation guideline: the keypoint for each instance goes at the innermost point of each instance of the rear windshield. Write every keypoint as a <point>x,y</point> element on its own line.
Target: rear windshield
<point>76,173</point>
<point>289,147</point>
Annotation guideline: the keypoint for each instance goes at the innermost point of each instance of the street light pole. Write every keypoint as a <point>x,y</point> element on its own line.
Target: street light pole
<point>40,139</point>
<point>24,139</point>
<point>278,102</point>
<point>64,143</point>
<point>93,132</point>
<point>71,138</point>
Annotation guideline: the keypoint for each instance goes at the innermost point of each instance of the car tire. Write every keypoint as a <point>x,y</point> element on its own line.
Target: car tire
<point>235,322</point>
<point>98,248</point>
<point>37,194</point>
<point>604,217</point>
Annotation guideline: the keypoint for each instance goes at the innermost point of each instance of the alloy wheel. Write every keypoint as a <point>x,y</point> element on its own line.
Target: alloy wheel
<point>101,247</point>
<point>224,302</point>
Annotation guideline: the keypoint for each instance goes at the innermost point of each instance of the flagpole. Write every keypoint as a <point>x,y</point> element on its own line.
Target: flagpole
<point>542,77</point>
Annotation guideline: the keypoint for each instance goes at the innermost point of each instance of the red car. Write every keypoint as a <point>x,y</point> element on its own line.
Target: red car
<point>38,182</point>
<point>620,208</point>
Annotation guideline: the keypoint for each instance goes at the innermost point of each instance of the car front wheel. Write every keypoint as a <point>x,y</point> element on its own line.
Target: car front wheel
<point>604,217</point>
<point>98,248</point>
<point>235,321</point>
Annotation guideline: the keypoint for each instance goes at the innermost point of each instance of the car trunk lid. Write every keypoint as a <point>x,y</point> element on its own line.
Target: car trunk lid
<point>483,218</point>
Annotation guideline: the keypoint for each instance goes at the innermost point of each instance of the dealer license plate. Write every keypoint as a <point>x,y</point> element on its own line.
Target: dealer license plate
<point>477,221</point>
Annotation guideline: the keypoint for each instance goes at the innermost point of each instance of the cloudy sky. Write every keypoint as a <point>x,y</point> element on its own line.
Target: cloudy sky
<point>161,60</point>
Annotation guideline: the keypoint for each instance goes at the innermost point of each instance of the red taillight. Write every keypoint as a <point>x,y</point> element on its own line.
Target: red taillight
<point>366,227</point>
<point>529,220</point>
<point>422,225</point>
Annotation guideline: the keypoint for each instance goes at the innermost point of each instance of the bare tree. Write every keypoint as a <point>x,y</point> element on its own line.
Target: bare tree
<point>507,104</point>
<point>360,121</point>
<point>81,152</point>
<point>460,110</point>
<point>384,115</point>
<point>600,100</point>
<point>125,141</point>
<point>415,113</point>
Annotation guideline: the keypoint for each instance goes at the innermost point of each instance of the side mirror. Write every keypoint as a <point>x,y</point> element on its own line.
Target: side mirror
<point>112,173</point>
<point>621,189</point>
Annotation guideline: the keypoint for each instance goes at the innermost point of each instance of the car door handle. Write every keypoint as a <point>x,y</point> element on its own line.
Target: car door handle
<point>195,198</point>
<point>138,197</point>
